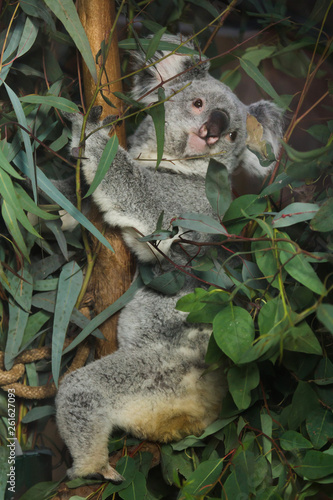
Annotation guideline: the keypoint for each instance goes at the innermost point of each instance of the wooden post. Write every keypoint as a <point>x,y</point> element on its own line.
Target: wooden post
<point>112,272</point>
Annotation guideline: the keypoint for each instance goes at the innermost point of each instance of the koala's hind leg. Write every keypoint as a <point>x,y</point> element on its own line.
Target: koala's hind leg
<point>85,423</point>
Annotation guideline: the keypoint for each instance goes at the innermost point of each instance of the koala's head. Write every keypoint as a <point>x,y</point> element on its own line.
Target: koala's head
<point>203,117</point>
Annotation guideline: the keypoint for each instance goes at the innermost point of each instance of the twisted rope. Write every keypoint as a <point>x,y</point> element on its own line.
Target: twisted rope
<point>9,378</point>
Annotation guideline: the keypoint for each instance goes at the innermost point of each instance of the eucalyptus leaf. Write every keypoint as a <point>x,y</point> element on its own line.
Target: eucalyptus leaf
<point>69,286</point>
<point>67,14</point>
<point>233,331</point>
<point>218,190</point>
<point>199,222</point>
<point>105,163</point>
<point>52,101</point>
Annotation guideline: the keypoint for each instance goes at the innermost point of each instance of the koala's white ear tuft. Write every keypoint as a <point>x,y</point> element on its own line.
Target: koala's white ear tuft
<point>167,68</point>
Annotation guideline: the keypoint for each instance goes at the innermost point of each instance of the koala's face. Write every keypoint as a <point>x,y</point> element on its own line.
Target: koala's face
<point>205,120</point>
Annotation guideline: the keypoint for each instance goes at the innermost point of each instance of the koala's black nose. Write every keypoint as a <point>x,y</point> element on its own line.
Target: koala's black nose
<point>217,123</point>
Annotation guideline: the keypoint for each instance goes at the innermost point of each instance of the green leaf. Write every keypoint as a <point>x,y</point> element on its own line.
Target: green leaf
<point>241,381</point>
<point>192,301</point>
<point>304,401</point>
<point>301,338</point>
<point>34,324</point>
<point>28,204</point>
<point>295,213</point>
<point>171,462</point>
<point>195,440</point>
<point>168,283</point>
<point>323,220</point>
<point>273,317</point>
<point>41,490</point>
<point>5,165</point>
<point>325,315</point>
<point>204,4</point>
<point>126,467</point>
<point>234,216</point>
<point>319,425</point>
<point>38,413</point>
<point>315,465</point>
<point>10,220</point>
<point>199,222</point>
<point>203,479</point>
<point>158,115</point>
<point>155,40</point>
<point>46,185</point>
<point>263,83</point>
<point>292,440</point>
<point>105,163</point>
<point>29,36</point>
<point>218,190</point>
<point>233,331</point>
<point>132,44</point>
<point>69,286</point>
<point>67,14</point>
<point>31,171</point>
<point>18,316</point>
<point>107,313</point>
<point>305,156</point>
<point>256,54</point>
<point>298,267</point>
<point>136,490</point>
<point>52,101</point>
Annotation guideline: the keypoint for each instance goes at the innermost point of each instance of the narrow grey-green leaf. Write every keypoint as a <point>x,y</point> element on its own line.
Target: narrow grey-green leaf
<point>67,14</point>
<point>199,222</point>
<point>10,220</point>
<point>261,80</point>
<point>295,213</point>
<point>29,36</point>
<point>18,316</point>
<point>152,47</point>
<point>5,165</point>
<point>53,101</point>
<point>49,188</point>
<point>69,286</point>
<point>105,163</point>
<point>30,206</point>
<point>158,115</point>
<point>107,313</point>
<point>131,43</point>
<point>26,139</point>
<point>38,413</point>
<point>218,190</point>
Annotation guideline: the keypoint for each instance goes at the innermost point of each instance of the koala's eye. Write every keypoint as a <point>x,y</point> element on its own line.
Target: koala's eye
<point>232,136</point>
<point>198,103</point>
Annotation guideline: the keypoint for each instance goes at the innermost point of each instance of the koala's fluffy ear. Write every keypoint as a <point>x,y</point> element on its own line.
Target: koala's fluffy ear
<point>271,119</point>
<point>172,64</point>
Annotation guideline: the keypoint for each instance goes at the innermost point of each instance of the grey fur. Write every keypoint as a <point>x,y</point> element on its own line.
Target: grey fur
<point>160,358</point>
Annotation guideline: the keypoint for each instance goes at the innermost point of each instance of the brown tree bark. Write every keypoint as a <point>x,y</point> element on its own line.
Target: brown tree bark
<point>112,272</point>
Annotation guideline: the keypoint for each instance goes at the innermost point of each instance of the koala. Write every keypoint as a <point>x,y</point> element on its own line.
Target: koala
<point>155,386</point>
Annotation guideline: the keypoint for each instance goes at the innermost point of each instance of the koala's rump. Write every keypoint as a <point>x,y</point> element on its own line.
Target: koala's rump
<point>154,395</point>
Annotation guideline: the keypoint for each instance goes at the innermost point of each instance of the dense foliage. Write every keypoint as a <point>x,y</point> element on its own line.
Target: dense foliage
<point>269,303</point>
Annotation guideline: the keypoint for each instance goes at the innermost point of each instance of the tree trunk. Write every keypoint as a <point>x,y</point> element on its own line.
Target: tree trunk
<point>112,272</point>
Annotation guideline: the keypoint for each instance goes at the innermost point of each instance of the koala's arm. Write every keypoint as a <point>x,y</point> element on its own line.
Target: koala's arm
<point>121,196</point>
